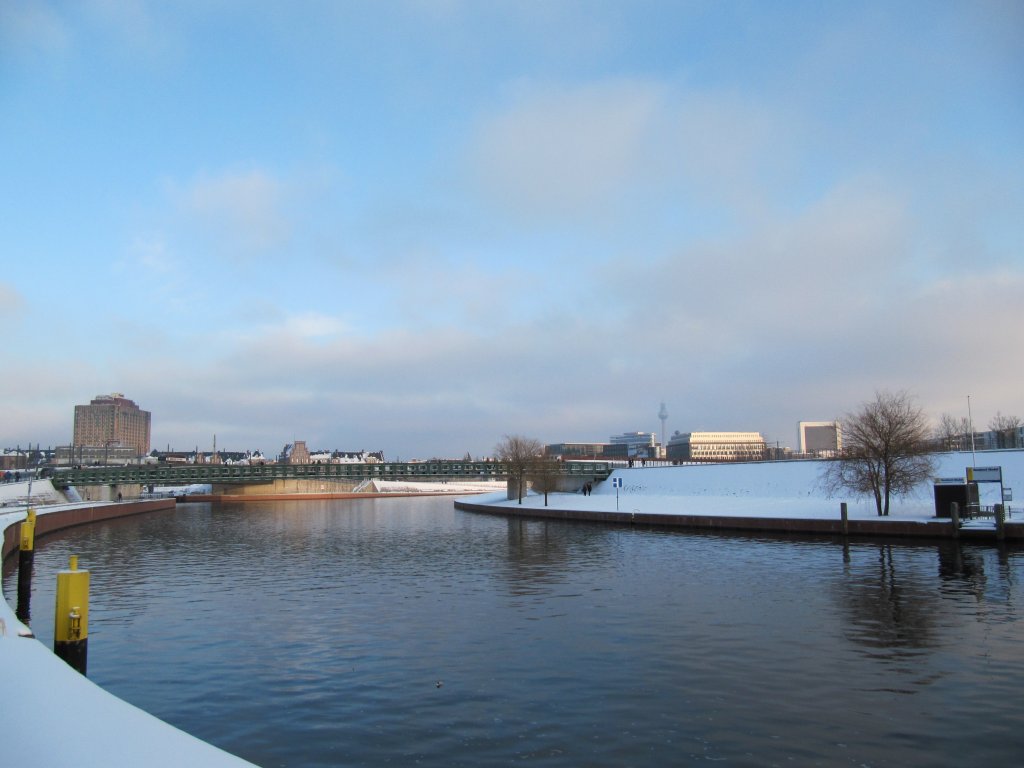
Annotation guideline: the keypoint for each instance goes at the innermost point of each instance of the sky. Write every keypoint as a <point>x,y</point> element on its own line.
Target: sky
<point>419,226</point>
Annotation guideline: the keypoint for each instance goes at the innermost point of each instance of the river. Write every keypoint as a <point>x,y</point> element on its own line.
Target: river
<point>402,631</point>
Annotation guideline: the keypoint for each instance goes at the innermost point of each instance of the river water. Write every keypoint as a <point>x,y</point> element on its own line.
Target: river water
<point>405,632</point>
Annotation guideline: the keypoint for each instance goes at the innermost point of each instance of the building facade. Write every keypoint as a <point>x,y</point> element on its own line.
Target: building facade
<point>631,445</point>
<point>112,421</point>
<point>716,446</point>
<point>297,453</point>
<point>576,450</point>
<point>820,438</point>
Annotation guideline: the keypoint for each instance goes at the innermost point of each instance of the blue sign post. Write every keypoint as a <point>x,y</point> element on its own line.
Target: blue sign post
<point>616,484</point>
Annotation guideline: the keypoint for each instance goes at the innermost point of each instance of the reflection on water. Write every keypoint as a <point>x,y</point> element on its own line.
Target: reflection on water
<point>888,607</point>
<point>401,630</point>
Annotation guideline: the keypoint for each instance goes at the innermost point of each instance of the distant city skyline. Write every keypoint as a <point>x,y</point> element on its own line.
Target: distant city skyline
<point>420,226</point>
<point>104,430</point>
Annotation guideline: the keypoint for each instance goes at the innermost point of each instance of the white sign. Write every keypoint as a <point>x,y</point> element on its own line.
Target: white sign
<point>1007,494</point>
<point>949,481</point>
<point>985,474</point>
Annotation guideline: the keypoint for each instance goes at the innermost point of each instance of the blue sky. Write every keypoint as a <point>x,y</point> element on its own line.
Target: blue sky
<point>417,226</point>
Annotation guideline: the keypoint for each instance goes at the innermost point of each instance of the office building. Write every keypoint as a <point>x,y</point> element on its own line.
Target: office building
<point>632,445</point>
<point>820,438</point>
<point>716,446</point>
<point>112,421</point>
<point>576,450</point>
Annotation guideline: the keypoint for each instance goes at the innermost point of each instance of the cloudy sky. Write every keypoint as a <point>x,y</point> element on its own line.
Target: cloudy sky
<point>417,226</point>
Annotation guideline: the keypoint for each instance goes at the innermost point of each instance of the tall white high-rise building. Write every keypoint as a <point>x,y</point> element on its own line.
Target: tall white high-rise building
<point>820,438</point>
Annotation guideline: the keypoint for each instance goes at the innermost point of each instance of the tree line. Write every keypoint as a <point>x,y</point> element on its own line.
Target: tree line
<point>955,433</point>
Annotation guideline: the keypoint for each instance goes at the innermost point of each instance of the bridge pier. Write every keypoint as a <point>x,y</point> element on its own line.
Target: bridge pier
<point>110,491</point>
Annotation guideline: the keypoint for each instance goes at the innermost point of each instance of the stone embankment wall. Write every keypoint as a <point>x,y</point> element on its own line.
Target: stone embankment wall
<point>49,521</point>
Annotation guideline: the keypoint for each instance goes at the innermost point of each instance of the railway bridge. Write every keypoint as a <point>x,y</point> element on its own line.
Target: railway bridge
<point>351,475</point>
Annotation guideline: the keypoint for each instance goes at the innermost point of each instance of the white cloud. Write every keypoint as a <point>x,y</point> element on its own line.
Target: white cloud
<point>133,18</point>
<point>309,326</point>
<point>32,26</point>
<point>11,302</point>
<point>608,147</point>
<point>245,210</point>
<point>559,151</point>
<point>150,254</point>
<point>806,276</point>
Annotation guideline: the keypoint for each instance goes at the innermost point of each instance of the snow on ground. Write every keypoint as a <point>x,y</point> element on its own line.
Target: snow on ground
<point>182,490</point>
<point>43,492</point>
<point>96,728</point>
<point>60,717</point>
<point>791,489</point>
<point>447,487</point>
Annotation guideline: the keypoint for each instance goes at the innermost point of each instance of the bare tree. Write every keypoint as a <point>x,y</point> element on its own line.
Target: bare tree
<point>953,433</point>
<point>1005,428</point>
<point>884,453</point>
<point>545,473</point>
<point>519,454</point>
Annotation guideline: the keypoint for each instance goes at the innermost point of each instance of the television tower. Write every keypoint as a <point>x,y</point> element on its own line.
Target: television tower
<point>663,414</point>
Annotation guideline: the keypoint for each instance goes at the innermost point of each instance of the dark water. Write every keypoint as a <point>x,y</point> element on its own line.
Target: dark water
<point>404,632</point>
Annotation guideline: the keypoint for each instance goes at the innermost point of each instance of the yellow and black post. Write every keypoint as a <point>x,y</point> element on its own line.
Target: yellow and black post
<point>71,617</point>
<point>26,556</point>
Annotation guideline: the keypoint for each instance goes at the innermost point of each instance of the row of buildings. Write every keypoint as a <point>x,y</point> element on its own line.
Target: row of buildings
<point>293,453</point>
<point>112,429</point>
<point>817,439</point>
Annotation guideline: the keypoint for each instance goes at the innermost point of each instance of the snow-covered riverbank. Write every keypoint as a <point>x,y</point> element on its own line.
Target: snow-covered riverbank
<point>789,490</point>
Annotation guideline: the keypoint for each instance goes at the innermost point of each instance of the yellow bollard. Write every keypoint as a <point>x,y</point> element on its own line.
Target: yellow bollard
<point>26,556</point>
<point>28,532</point>
<point>71,616</point>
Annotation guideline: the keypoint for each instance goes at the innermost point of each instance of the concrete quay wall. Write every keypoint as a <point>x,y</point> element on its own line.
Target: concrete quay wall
<point>880,527</point>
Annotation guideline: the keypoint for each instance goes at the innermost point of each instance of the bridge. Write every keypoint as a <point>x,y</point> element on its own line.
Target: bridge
<point>186,474</point>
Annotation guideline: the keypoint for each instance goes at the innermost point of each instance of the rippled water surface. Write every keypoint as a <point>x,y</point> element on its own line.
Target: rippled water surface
<point>402,631</point>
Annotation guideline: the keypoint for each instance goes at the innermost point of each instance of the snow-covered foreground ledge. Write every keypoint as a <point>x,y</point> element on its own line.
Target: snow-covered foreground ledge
<point>765,496</point>
<point>54,716</point>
